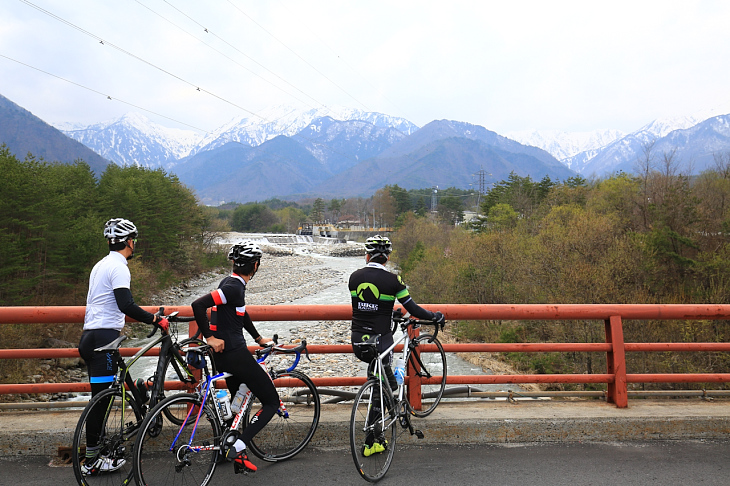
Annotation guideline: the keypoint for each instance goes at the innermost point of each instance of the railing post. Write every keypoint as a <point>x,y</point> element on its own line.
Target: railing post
<point>414,382</point>
<point>616,362</point>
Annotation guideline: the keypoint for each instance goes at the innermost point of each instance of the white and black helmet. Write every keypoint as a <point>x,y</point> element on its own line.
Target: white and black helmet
<point>244,252</point>
<point>117,230</point>
<point>378,245</point>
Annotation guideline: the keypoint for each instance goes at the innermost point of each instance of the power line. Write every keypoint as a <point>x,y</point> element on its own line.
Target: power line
<point>109,97</point>
<point>101,41</point>
<point>208,31</point>
<point>297,55</point>
<point>352,68</point>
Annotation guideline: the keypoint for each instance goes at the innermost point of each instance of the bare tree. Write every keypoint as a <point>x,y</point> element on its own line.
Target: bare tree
<point>645,166</point>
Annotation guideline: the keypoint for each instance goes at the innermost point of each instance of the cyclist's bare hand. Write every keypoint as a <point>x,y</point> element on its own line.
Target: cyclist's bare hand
<point>217,344</point>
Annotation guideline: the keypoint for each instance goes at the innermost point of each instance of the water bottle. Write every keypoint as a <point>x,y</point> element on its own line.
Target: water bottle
<point>224,404</point>
<point>238,399</point>
<point>400,371</point>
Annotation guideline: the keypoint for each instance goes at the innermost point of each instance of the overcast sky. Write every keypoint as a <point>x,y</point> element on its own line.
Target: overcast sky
<point>509,65</point>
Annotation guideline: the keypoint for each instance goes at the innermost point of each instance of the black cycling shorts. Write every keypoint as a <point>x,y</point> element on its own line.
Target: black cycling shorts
<point>102,366</point>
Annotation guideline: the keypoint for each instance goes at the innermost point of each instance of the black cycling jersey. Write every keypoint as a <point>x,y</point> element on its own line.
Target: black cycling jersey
<point>374,291</point>
<point>228,316</point>
<point>228,319</point>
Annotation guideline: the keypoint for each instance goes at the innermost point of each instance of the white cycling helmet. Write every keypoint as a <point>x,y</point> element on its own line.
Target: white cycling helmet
<point>378,245</point>
<point>245,252</point>
<point>117,230</point>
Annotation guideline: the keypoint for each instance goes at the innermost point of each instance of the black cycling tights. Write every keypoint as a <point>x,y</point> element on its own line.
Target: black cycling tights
<point>244,368</point>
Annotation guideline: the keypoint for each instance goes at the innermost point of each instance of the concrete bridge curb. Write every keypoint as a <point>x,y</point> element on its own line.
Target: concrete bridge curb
<point>43,432</point>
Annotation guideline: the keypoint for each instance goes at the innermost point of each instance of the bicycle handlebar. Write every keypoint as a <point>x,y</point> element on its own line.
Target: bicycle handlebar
<point>173,317</point>
<point>399,318</point>
<point>275,348</point>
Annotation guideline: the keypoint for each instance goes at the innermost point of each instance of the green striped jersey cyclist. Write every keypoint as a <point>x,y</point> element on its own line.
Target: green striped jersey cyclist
<point>374,291</point>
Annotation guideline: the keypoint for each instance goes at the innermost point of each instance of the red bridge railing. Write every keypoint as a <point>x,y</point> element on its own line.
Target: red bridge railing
<point>616,376</point>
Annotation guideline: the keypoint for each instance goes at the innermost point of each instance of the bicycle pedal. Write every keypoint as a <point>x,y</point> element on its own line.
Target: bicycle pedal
<point>419,434</point>
<point>239,469</point>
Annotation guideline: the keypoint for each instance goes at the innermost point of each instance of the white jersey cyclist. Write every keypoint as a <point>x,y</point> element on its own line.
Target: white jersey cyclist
<point>102,311</point>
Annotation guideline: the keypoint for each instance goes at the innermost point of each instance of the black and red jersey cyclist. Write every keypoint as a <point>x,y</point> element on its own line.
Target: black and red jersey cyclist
<point>374,291</point>
<point>225,335</point>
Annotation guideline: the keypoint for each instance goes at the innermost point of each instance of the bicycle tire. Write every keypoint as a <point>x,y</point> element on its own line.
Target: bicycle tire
<point>374,467</point>
<point>171,373</point>
<point>154,464</point>
<point>116,437</point>
<point>289,431</point>
<point>435,365</point>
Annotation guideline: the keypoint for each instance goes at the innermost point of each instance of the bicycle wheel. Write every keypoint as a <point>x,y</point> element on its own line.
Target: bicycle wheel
<point>172,374</point>
<point>366,428</point>
<point>113,426</point>
<point>429,366</point>
<point>164,452</point>
<point>293,425</point>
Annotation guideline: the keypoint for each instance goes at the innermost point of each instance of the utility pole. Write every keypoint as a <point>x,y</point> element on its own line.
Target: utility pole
<point>434,198</point>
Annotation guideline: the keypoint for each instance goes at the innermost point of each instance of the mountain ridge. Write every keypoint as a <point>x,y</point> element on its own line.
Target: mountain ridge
<point>24,133</point>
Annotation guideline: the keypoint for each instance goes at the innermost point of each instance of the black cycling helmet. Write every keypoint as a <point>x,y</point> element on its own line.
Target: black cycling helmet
<point>117,230</point>
<point>378,245</point>
<point>244,252</point>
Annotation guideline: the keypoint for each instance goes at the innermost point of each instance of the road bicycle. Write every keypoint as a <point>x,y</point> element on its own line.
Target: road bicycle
<point>187,450</point>
<point>377,411</point>
<point>114,415</point>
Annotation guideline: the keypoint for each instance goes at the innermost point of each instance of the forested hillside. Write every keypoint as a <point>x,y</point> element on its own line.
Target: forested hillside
<point>51,227</point>
<point>658,238</point>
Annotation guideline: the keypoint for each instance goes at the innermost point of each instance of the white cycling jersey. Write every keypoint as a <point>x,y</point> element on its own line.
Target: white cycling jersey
<point>102,311</point>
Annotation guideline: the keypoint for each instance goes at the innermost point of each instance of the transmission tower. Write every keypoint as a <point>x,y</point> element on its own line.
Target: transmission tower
<point>482,181</point>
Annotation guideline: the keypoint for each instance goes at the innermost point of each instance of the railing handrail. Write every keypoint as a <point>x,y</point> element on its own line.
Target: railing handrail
<point>506,312</point>
<point>615,348</point>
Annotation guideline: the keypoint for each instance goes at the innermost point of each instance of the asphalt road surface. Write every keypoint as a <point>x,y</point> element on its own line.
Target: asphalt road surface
<point>545,464</point>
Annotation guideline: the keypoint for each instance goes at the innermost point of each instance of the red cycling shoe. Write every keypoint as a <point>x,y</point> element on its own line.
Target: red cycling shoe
<point>241,464</point>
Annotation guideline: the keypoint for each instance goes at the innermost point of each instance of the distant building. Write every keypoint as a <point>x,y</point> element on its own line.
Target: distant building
<point>469,216</point>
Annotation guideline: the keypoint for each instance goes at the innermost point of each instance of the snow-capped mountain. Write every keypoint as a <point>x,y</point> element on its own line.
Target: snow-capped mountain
<point>134,140</point>
<point>339,145</point>
<point>340,138</point>
<point>624,153</point>
<point>563,145</point>
<point>288,121</point>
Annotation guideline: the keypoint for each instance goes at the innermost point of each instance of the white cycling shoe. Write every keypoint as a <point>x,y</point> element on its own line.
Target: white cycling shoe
<point>102,465</point>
